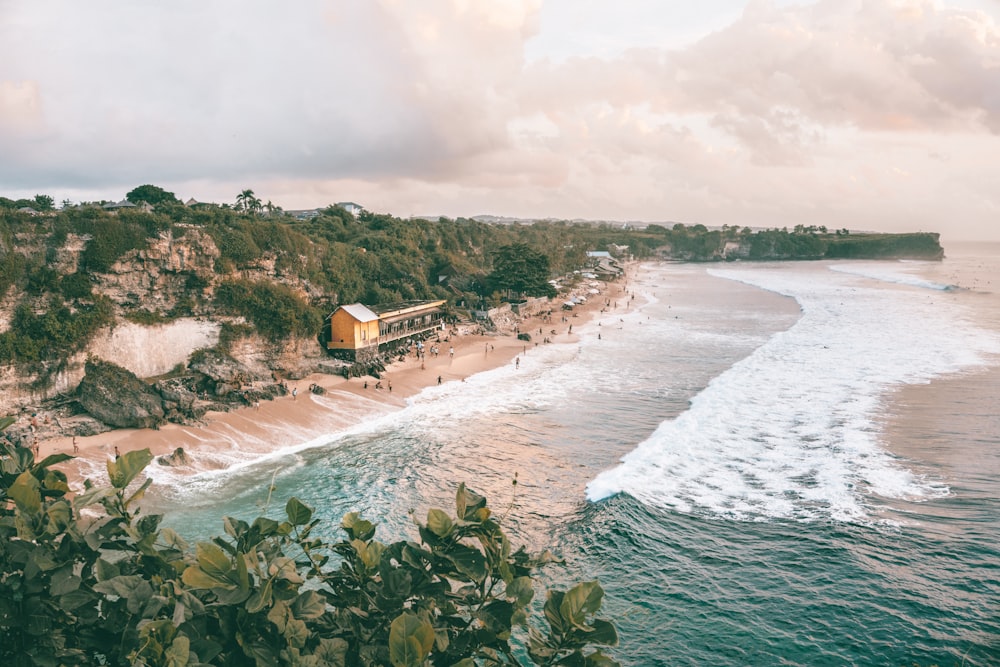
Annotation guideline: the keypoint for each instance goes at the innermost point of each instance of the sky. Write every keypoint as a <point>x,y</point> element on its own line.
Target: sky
<point>865,114</point>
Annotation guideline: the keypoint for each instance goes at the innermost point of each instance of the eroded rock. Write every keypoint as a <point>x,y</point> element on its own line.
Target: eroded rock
<point>115,396</point>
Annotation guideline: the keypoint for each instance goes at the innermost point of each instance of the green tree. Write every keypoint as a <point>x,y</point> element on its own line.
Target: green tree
<point>152,195</point>
<point>248,203</point>
<point>520,269</point>
<point>44,203</point>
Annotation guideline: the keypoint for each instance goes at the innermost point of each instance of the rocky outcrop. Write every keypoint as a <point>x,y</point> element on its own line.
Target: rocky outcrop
<point>118,398</point>
<point>224,372</point>
<point>178,458</point>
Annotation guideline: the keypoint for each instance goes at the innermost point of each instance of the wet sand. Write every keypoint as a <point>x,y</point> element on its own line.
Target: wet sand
<point>257,430</point>
<point>949,428</point>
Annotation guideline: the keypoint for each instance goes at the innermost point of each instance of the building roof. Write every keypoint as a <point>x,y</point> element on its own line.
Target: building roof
<point>359,312</point>
<point>385,308</point>
<point>598,253</point>
<point>124,203</point>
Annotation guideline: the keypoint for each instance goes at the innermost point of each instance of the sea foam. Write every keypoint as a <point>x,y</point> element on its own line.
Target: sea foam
<point>791,431</point>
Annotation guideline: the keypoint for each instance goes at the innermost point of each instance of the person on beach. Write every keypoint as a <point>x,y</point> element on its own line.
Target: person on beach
<point>117,453</point>
<point>295,392</point>
<point>76,447</point>
<point>517,362</point>
<point>439,379</point>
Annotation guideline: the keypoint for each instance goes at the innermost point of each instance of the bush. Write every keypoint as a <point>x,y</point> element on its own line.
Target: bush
<point>120,590</point>
<point>76,286</point>
<point>111,239</point>
<point>276,311</point>
<point>55,333</point>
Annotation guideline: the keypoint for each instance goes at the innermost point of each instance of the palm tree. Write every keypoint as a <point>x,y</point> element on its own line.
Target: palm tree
<point>247,202</point>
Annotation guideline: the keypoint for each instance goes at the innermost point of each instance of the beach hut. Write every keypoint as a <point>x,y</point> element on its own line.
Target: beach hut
<point>358,332</point>
<point>353,329</point>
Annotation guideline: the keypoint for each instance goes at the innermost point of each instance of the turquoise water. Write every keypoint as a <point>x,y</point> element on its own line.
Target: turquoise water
<point>810,467</point>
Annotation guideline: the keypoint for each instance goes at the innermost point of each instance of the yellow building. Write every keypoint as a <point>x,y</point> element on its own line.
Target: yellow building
<point>353,327</point>
<point>359,332</point>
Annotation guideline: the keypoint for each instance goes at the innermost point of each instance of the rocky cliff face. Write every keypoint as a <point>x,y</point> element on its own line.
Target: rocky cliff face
<point>169,271</point>
<point>156,277</point>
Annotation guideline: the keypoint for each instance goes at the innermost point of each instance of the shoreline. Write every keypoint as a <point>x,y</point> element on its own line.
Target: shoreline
<point>219,432</point>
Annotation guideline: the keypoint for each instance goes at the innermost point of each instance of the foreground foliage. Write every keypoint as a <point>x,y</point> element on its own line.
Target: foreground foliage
<point>117,589</point>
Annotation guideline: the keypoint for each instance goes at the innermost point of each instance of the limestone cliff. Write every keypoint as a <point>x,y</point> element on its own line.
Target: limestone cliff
<point>176,271</point>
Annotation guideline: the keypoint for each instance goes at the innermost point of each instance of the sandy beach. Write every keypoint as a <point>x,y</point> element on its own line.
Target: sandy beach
<point>255,429</point>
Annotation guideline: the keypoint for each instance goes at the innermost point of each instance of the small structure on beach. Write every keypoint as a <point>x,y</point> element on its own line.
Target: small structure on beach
<point>358,332</point>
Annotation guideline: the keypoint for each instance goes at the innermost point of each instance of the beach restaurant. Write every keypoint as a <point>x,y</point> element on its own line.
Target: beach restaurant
<point>359,332</point>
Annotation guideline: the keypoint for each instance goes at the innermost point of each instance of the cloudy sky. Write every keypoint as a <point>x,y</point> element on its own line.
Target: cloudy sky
<point>867,114</point>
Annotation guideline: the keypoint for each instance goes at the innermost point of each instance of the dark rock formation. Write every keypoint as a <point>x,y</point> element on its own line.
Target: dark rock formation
<point>115,396</point>
<point>221,368</point>
<point>178,458</point>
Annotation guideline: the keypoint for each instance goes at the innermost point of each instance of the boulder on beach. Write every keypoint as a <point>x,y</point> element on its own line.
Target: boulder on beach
<point>178,458</point>
<point>115,396</point>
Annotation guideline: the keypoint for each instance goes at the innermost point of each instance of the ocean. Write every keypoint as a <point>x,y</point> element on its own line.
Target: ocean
<point>764,464</point>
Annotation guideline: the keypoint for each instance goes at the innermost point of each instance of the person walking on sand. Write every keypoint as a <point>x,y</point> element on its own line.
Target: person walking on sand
<point>439,379</point>
<point>295,392</point>
<point>76,447</point>
<point>451,351</point>
<point>117,453</point>
<point>517,362</point>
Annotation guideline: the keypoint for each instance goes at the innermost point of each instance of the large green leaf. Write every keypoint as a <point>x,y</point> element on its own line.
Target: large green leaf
<point>196,578</point>
<point>178,655</point>
<point>53,459</point>
<point>468,561</point>
<point>298,513</point>
<point>439,522</point>
<point>213,560</point>
<point>63,582</point>
<point>581,601</point>
<point>123,586</point>
<point>25,493</point>
<point>92,496</point>
<point>356,527</point>
<point>603,633</point>
<point>332,652</point>
<point>553,601</point>
<point>122,471</point>
<point>411,639</point>
<point>521,590</point>
<point>468,503</point>
<point>308,605</point>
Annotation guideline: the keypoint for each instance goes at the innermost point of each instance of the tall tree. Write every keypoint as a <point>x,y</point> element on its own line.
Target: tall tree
<point>520,269</point>
<point>152,195</point>
<point>247,202</point>
<point>44,203</point>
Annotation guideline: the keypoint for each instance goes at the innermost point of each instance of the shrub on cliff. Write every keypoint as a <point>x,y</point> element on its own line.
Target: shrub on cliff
<point>119,590</point>
<point>276,311</point>
<point>55,333</point>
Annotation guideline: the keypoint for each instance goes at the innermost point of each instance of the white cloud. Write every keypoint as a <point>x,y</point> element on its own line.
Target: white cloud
<point>784,109</point>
